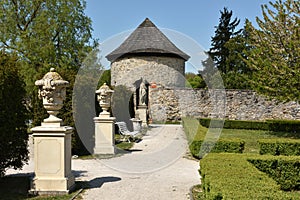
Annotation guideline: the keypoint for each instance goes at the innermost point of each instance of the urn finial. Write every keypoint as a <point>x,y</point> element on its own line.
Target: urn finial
<point>52,89</point>
<point>104,94</point>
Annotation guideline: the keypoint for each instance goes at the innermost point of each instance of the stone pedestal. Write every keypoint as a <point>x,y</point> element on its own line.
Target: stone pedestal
<point>104,134</point>
<point>137,124</point>
<point>52,159</point>
<point>142,112</point>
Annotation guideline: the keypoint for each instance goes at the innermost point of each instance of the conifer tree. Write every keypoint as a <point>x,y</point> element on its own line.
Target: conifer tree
<point>238,73</point>
<point>223,33</point>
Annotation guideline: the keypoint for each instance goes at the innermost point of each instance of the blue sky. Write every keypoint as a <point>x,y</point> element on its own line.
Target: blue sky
<point>195,19</point>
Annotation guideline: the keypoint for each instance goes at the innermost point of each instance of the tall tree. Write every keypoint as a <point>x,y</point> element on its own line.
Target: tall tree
<point>44,34</point>
<point>13,114</point>
<point>275,57</point>
<point>223,33</point>
<point>238,73</point>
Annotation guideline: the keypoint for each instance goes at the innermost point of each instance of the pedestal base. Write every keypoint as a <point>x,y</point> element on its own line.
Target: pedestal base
<point>52,160</point>
<point>137,124</point>
<point>109,149</point>
<point>142,111</point>
<point>104,135</point>
<point>54,186</point>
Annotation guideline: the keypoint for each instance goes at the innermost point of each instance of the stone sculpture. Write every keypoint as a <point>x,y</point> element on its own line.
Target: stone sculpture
<point>143,93</point>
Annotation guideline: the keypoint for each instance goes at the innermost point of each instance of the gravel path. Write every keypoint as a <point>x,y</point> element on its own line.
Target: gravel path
<point>156,168</point>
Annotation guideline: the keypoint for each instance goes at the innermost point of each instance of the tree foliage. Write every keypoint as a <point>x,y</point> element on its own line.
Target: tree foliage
<point>227,51</point>
<point>211,75</point>
<point>238,73</point>
<point>276,50</point>
<point>13,114</point>
<point>105,78</point>
<point>223,33</point>
<point>122,104</point>
<point>44,34</point>
<point>194,80</point>
<point>84,99</point>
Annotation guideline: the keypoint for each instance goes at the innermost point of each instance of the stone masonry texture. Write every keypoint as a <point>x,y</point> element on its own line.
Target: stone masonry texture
<point>168,71</point>
<point>170,104</point>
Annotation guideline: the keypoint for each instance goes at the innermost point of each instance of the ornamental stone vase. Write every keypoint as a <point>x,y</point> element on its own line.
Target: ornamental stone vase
<point>104,94</point>
<point>52,141</point>
<point>52,89</point>
<point>104,124</point>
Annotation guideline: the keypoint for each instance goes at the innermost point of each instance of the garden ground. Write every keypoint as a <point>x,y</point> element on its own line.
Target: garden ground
<point>158,167</point>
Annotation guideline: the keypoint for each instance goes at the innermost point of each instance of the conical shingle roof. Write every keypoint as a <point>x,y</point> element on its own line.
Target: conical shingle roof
<point>147,38</point>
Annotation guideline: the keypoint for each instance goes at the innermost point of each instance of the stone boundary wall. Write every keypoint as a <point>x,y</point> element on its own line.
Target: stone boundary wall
<point>173,103</point>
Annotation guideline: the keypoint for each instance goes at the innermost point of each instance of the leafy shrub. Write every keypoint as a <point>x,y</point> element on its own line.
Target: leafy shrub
<point>13,114</point>
<point>288,147</point>
<point>284,170</point>
<point>230,176</point>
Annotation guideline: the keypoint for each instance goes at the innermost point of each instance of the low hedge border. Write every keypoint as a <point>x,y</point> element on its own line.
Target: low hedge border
<point>234,145</point>
<point>270,125</point>
<point>233,124</point>
<point>192,126</point>
<point>284,170</point>
<point>276,147</point>
<point>284,125</point>
<point>231,176</point>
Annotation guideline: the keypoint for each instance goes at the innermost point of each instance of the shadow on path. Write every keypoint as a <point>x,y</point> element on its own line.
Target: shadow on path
<point>94,183</point>
<point>97,182</point>
<point>15,186</point>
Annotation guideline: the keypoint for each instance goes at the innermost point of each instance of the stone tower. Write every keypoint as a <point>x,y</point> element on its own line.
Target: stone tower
<point>147,57</point>
<point>147,53</point>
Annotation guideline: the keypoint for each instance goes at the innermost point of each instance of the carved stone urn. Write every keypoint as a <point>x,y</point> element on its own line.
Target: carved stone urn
<point>52,89</point>
<point>104,94</point>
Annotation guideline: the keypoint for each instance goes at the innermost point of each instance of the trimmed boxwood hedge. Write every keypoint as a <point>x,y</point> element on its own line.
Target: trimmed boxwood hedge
<point>231,176</point>
<point>234,124</point>
<point>284,170</point>
<point>282,146</point>
<point>271,125</point>
<point>234,145</point>
<point>284,125</point>
<point>192,126</point>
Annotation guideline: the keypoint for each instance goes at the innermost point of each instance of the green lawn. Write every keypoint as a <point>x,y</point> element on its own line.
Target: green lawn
<point>195,131</point>
<point>249,136</point>
<point>237,163</point>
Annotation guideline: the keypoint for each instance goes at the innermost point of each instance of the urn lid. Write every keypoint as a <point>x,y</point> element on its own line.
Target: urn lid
<point>104,89</point>
<point>53,78</point>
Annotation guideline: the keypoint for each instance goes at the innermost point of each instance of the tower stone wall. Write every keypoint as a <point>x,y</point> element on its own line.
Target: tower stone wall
<point>168,71</point>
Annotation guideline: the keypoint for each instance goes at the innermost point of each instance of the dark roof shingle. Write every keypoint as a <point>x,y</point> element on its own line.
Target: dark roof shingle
<point>147,38</point>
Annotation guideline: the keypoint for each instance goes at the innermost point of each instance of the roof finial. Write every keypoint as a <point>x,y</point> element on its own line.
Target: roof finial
<point>146,23</point>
